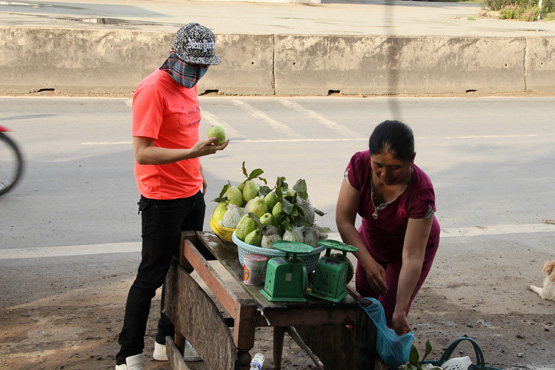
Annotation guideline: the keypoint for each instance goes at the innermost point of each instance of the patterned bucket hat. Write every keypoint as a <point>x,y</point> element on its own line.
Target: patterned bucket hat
<point>195,44</point>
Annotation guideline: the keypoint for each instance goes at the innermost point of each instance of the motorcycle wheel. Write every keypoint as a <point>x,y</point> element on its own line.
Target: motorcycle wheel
<point>11,164</point>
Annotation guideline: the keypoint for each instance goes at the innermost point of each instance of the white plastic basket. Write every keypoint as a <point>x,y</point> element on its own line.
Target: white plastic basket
<point>310,259</point>
<point>457,363</point>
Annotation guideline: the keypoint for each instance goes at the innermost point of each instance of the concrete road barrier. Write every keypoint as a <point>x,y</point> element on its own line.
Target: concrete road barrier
<point>393,65</point>
<point>114,61</point>
<point>539,64</point>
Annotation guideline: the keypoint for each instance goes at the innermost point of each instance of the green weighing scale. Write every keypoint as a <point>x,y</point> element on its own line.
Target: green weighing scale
<point>333,272</point>
<point>286,277</point>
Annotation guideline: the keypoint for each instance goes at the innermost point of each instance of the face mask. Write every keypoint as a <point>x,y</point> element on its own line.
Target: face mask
<point>182,73</point>
<point>191,75</point>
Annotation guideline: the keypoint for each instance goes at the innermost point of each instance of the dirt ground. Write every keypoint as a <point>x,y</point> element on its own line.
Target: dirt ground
<point>489,301</point>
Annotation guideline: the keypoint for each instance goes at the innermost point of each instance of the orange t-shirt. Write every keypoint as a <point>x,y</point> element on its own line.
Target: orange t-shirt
<point>169,114</point>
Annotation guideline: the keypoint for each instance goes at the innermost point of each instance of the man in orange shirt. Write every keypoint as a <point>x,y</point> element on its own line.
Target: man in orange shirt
<point>169,177</point>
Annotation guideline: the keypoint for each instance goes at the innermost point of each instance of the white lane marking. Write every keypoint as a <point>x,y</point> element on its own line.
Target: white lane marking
<point>497,230</point>
<point>343,130</point>
<point>212,119</point>
<point>495,136</point>
<point>235,134</point>
<point>240,138</point>
<point>135,247</point>
<point>300,140</point>
<point>107,143</point>
<point>278,126</point>
<point>68,251</point>
<point>477,137</point>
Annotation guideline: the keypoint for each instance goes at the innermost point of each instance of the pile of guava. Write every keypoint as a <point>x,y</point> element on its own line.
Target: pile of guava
<point>260,214</point>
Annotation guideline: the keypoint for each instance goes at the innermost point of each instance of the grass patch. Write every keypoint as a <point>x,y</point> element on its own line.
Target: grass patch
<point>523,10</point>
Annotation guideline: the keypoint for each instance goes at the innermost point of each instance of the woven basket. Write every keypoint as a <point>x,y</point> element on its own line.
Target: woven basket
<point>310,259</point>
<point>223,232</point>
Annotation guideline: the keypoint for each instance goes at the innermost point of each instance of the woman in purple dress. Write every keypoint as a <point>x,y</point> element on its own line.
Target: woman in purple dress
<point>399,234</point>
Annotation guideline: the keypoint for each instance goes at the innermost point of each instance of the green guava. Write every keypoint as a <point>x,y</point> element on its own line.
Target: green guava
<point>219,211</point>
<point>278,208</point>
<point>258,207</point>
<point>218,132</point>
<point>245,226</point>
<point>271,199</point>
<point>267,219</point>
<point>234,196</point>
<point>250,190</point>
<point>254,238</point>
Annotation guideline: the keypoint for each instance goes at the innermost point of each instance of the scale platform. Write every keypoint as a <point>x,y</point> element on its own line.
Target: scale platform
<point>333,272</point>
<point>286,277</point>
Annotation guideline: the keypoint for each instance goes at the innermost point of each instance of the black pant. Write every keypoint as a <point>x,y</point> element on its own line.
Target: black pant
<point>162,223</point>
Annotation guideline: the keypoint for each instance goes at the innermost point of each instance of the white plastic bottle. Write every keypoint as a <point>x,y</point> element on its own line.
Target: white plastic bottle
<point>257,361</point>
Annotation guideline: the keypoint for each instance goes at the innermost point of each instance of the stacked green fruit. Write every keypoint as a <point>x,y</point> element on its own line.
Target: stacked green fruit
<point>236,201</point>
<point>270,214</point>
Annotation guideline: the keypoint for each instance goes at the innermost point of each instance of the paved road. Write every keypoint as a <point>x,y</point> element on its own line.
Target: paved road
<point>364,17</point>
<point>73,219</point>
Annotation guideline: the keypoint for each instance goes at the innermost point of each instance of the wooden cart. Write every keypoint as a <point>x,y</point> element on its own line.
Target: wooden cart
<point>340,334</point>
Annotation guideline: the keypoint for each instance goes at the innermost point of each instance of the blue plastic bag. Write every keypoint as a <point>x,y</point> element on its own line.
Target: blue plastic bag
<point>393,349</point>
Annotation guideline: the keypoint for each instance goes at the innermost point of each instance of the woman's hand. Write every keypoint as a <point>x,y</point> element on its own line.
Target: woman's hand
<point>375,274</point>
<point>400,323</point>
<point>345,216</point>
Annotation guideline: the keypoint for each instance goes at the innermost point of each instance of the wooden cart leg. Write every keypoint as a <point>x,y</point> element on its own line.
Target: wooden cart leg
<point>243,359</point>
<point>279,334</point>
<point>187,302</point>
<point>179,341</point>
<point>175,357</point>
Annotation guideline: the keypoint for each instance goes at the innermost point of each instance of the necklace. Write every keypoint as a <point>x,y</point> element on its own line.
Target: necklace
<point>381,206</point>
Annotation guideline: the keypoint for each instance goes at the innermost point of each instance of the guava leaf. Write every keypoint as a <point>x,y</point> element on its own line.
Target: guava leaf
<point>300,210</point>
<point>300,221</point>
<point>287,225</point>
<point>414,356</point>
<point>255,173</point>
<point>318,212</point>
<point>264,190</point>
<point>222,196</point>
<point>282,191</point>
<point>301,189</point>
<point>281,187</point>
<point>244,170</point>
<point>280,218</point>
<point>428,350</point>
<point>292,198</point>
<point>323,230</point>
<point>256,221</point>
<point>289,208</point>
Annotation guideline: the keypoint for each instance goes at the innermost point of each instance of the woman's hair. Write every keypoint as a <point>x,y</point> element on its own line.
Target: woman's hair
<point>395,137</point>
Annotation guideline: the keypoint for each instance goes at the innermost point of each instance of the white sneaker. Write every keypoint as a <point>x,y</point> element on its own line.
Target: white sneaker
<point>133,363</point>
<point>159,353</point>
<point>190,354</point>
